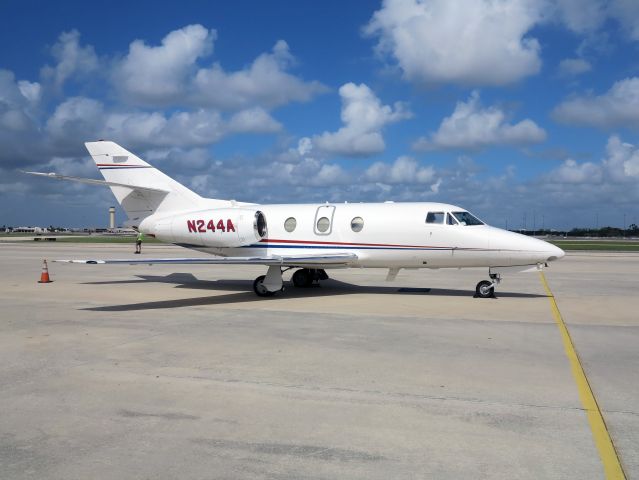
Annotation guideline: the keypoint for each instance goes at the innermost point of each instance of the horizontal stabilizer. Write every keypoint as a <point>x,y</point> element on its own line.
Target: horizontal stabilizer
<point>92,181</point>
<point>338,259</point>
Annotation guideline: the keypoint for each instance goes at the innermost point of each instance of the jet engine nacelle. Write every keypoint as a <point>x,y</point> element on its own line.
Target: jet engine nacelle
<point>217,227</point>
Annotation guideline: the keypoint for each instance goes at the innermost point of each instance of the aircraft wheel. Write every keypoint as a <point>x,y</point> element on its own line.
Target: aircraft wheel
<point>484,289</point>
<point>302,278</point>
<point>259,288</point>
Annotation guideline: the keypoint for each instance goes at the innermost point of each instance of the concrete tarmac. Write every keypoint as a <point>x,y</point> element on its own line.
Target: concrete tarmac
<point>167,372</point>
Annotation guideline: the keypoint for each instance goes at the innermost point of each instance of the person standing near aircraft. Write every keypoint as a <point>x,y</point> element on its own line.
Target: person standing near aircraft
<point>138,242</point>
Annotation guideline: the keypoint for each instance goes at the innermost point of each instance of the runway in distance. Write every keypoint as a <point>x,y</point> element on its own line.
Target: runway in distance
<point>310,238</point>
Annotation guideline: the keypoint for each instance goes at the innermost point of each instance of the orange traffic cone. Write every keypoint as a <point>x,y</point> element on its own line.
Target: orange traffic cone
<point>44,277</point>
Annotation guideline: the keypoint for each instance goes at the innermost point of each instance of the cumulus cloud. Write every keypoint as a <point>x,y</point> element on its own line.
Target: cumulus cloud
<point>152,77</point>
<point>196,159</point>
<point>403,170</point>
<point>364,118</point>
<point>619,106</point>
<point>304,146</point>
<point>19,109</point>
<point>472,127</point>
<point>482,42</point>
<point>74,166</point>
<point>275,176</point>
<point>487,42</point>
<point>254,120</point>
<point>200,127</point>
<point>619,166</point>
<point>581,16</point>
<point>308,172</point>
<point>75,119</point>
<point>158,75</point>
<point>589,16</point>
<point>265,82</point>
<point>622,161</point>
<point>571,171</point>
<point>171,74</point>
<point>18,101</point>
<point>32,91</point>
<point>85,118</point>
<point>626,12</point>
<point>312,179</point>
<point>571,67</point>
<point>568,195</point>
<point>72,59</point>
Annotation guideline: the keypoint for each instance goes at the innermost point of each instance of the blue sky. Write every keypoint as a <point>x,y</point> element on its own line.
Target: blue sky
<point>512,109</point>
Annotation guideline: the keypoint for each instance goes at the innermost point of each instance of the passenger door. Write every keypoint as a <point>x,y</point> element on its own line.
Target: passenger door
<point>438,238</point>
<point>323,224</point>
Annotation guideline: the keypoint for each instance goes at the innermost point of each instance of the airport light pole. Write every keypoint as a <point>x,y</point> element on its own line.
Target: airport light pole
<point>624,224</point>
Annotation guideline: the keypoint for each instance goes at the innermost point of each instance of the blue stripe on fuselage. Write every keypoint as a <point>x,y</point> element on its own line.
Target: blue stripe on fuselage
<point>342,247</point>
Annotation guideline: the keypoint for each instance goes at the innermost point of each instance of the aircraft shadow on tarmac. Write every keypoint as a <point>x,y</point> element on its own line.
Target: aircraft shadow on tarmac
<point>243,292</point>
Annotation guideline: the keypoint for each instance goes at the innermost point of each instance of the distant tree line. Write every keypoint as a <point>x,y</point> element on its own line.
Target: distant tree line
<point>631,231</point>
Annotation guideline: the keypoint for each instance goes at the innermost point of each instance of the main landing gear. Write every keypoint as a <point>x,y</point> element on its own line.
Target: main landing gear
<point>260,289</point>
<point>271,283</point>
<point>486,288</point>
<point>305,277</point>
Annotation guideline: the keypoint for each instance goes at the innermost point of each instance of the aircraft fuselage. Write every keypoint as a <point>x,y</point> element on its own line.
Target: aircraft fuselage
<point>386,235</point>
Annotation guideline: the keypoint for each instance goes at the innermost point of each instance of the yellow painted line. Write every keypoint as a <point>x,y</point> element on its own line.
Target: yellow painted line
<point>607,452</point>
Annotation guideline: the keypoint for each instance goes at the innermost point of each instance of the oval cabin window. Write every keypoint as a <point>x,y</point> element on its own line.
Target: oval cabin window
<point>357,224</point>
<point>323,224</point>
<point>290,224</point>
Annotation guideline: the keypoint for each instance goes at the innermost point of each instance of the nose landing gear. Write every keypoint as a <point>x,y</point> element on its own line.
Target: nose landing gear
<point>486,288</point>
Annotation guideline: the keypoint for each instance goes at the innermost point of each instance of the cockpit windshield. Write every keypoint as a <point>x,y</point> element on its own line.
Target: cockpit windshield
<point>466,218</point>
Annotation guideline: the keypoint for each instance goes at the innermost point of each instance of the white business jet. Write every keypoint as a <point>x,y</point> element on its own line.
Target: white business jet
<point>310,238</point>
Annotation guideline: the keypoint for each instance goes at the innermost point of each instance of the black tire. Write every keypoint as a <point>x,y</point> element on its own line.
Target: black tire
<point>259,288</point>
<point>484,289</point>
<point>302,278</point>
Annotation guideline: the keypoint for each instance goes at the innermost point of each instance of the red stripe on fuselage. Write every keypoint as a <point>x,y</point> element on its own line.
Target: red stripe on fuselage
<point>119,165</point>
<point>314,242</point>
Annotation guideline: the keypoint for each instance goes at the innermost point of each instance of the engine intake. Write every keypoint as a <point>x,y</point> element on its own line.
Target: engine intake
<point>260,224</point>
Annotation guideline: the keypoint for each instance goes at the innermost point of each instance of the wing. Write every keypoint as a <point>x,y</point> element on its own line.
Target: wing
<point>328,260</point>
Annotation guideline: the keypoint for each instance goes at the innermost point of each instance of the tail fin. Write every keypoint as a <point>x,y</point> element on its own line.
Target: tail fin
<point>139,188</point>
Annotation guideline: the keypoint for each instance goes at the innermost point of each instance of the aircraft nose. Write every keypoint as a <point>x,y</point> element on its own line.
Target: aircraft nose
<point>555,252</point>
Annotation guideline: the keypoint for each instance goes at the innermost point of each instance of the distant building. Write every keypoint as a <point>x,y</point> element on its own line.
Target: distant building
<point>122,231</point>
<point>36,230</point>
